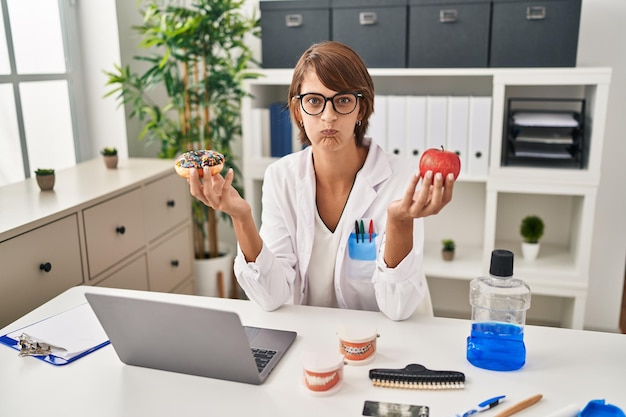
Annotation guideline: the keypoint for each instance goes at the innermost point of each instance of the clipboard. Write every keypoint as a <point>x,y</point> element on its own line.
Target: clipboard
<point>77,328</point>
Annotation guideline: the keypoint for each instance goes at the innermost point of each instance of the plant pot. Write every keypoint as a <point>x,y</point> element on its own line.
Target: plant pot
<point>214,276</point>
<point>45,182</point>
<point>447,255</point>
<point>530,251</point>
<point>110,161</point>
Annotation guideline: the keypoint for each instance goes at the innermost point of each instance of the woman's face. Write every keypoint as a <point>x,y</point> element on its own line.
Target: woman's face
<point>328,130</point>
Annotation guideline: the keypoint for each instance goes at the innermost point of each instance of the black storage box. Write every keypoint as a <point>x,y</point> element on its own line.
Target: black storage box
<point>375,29</point>
<point>534,34</point>
<point>288,28</point>
<point>448,33</point>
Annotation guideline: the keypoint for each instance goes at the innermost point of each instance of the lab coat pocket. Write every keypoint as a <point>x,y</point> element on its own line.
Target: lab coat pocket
<point>361,261</point>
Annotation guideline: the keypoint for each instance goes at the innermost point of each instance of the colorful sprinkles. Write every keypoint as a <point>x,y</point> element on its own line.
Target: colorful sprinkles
<point>200,159</point>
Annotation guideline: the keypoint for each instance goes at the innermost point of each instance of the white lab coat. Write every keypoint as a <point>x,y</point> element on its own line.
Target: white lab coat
<point>279,274</point>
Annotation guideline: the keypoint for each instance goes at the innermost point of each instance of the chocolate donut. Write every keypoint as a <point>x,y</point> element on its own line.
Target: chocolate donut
<point>198,160</point>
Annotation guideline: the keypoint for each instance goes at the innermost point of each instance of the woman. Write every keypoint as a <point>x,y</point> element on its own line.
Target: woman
<point>342,221</point>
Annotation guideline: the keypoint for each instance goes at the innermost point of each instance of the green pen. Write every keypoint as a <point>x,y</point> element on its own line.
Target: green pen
<point>362,231</point>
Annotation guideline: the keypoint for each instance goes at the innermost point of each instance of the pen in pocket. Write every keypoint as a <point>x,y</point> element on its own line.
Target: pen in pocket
<point>362,232</point>
<point>360,247</point>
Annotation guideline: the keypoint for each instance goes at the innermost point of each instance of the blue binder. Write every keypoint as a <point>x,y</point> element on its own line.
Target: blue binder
<point>280,130</point>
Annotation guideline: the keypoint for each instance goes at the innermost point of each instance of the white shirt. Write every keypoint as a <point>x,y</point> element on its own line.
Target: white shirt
<point>321,283</point>
<point>280,273</point>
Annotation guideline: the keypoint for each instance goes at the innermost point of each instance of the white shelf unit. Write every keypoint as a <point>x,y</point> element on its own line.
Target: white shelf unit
<point>486,210</point>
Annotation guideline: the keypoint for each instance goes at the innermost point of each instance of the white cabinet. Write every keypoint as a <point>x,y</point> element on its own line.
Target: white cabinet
<point>165,204</point>
<point>38,265</point>
<point>490,198</point>
<point>132,276</point>
<point>168,261</point>
<point>113,229</point>
<point>128,227</point>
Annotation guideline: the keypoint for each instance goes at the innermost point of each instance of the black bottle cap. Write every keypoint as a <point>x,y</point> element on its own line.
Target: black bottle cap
<point>501,263</point>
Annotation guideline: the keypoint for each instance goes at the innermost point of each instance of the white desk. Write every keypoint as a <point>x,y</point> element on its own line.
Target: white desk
<point>566,366</point>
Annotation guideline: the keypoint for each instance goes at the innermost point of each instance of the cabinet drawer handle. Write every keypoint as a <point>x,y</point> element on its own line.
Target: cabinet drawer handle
<point>174,263</point>
<point>171,203</point>
<point>448,16</point>
<point>535,12</point>
<point>46,267</point>
<point>293,20</point>
<point>367,18</point>
<point>120,229</point>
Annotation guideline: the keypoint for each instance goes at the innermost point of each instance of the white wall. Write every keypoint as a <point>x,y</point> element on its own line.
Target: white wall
<point>601,43</point>
<point>100,49</point>
<point>602,31</point>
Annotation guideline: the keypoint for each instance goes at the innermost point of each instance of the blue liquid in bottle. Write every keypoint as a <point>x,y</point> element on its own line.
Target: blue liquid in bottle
<point>496,346</point>
<point>499,303</point>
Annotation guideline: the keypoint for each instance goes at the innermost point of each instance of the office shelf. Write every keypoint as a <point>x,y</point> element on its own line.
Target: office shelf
<point>488,206</point>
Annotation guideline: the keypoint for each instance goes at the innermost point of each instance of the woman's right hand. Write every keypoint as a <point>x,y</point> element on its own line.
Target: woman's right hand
<point>218,192</point>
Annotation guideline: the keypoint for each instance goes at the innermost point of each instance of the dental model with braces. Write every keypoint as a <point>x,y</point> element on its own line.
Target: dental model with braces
<point>358,344</point>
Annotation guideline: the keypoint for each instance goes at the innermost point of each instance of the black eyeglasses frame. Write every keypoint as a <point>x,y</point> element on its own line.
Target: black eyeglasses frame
<point>326,100</point>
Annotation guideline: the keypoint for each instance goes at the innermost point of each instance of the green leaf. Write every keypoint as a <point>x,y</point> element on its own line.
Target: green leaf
<point>208,35</point>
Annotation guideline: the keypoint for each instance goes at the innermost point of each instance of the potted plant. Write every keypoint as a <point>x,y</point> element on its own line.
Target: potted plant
<point>447,250</point>
<point>531,229</point>
<point>110,157</point>
<point>45,178</point>
<point>199,55</point>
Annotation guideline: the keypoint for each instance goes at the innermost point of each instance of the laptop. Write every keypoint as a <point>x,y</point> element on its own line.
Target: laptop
<point>189,339</point>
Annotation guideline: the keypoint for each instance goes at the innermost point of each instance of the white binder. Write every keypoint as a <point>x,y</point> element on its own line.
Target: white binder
<point>415,126</point>
<point>479,136</point>
<point>436,121</point>
<point>396,125</point>
<point>457,137</point>
<point>260,132</point>
<point>377,129</point>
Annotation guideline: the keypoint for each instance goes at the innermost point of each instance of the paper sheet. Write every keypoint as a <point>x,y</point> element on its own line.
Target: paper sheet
<point>545,119</point>
<point>71,332</point>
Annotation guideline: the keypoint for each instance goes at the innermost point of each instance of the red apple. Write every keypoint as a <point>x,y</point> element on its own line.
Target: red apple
<point>440,160</point>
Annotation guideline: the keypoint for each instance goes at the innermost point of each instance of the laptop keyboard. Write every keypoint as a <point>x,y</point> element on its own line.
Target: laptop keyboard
<point>262,357</point>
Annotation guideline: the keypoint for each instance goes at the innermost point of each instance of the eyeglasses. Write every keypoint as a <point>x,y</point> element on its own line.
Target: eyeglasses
<point>314,104</point>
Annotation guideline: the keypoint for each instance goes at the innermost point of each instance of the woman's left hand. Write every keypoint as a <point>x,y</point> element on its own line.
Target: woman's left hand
<point>430,199</point>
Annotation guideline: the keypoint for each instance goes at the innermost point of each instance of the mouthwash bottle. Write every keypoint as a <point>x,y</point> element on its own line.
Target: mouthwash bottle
<point>499,303</point>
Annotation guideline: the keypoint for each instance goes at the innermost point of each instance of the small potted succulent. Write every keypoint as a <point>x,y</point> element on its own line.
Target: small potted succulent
<point>447,250</point>
<point>110,157</point>
<point>45,178</point>
<point>531,230</point>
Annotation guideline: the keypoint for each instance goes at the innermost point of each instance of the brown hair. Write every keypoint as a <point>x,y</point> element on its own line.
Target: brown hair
<point>340,69</point>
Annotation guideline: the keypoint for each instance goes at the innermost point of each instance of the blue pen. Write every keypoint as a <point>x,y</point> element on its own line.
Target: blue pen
<point>485,405</point>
